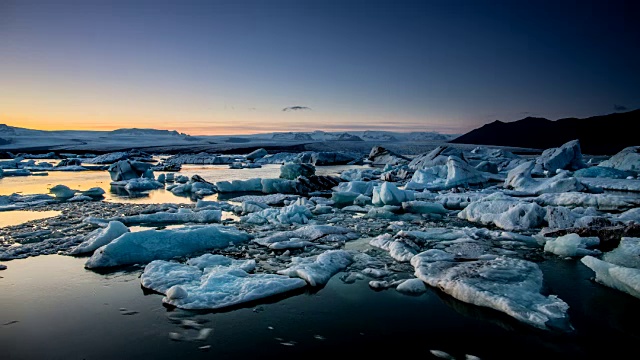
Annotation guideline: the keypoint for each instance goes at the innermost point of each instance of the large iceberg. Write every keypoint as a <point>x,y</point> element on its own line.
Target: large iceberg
<point>213,282</point>
<point>566,157</point>
<point>509,285</point>
<point>149,245</point>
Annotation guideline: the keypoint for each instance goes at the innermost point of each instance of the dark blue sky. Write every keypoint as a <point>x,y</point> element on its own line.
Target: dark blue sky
<point>232,66</point>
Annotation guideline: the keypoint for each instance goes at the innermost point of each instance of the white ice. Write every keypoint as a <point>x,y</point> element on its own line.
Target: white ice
<point>149,245</point>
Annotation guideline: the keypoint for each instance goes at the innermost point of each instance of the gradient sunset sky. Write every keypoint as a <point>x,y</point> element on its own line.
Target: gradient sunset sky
<point>231,67</point>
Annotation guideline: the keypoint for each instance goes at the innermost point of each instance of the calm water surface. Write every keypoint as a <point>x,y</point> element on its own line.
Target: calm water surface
<point>52,308</point>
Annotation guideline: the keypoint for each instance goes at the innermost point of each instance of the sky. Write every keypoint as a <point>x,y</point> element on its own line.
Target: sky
<point>240,67</point>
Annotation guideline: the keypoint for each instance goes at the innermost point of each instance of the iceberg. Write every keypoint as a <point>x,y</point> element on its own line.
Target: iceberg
<point>509,285</point>
<point>616,277</point>
<point>149,245</point>
<point>100,237</point>
<point>213,282</point>
<point>318,270</point>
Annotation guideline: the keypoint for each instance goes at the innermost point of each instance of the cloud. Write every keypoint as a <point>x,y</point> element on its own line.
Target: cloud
<point>296,108</point>
<point>620,108</point>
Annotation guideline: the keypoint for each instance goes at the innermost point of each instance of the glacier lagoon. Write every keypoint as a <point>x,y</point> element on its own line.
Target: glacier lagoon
<point>76,309</point>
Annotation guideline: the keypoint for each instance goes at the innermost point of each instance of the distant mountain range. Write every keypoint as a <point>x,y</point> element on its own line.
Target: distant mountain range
<point>368,135</point>
<point>598,135</point>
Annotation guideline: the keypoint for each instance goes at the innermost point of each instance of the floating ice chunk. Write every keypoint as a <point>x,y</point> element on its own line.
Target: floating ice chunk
<point>572,245</point>
<point>459,173</point>
<point>293,243</point>
<point>442,355</point>
<point>389,194</point>
<point>360,174</point>
<point>128,170</point>
<point>505,212</point>
<point>423,207</point>
<point>560,217</point>
<point>412,286</point>
<point>630,184</point>
<point>398,249</point>
<point>382,156</point>
<point>520,179</point>
<point>376,273</point>
<point>251,207</point>
<point>437,156</point>
<point>181,216</point>
<point>93,192</point>
<point>213,286</point>
<point>505,284</point>
<point>627,253</point>
<point>344,197</point>
<point>567,157</point>
<point>317,270</point>
<point>617,277</point>
<point>62,192</point>
<point>359,187</point>
<point>251,185</point>
<point>628,159</point>
<point>257,154</point>
<point>603,172</point>
<point>427,177</point>
<point>291,171</point>
<point>271,199</point>
<point>604,202</point>
<point>455,201</point>
<point>213,205</point>
<point>145,246</point>
<point>141,184</point>
<point>100,237</point>
<point>310,233</point>
<point>292,214</point>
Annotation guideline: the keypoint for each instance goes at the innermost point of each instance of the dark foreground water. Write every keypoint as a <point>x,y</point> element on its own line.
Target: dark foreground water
<point>52,308</point>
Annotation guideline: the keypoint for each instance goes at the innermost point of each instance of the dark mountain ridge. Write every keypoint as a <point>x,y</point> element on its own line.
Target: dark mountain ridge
<point>598,135</point>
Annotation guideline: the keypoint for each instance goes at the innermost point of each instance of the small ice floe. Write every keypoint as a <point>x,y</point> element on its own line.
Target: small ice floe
<point>572,245</point>
<point>505,284</point>
<point>179,216</point>
<point>627,159</point>
<point>627,253</point>
<point>625,279</point>
<point>145,246</point>
<point>442,355</point>
<point>505,212</point>
<point>602,202</point>
<point>319,337</point>
<point>317,270</point>
<point>412,286</point>
<point>213,282</point>
<point>311,233</point>
<point>291,214</point>
<point>100,237</point>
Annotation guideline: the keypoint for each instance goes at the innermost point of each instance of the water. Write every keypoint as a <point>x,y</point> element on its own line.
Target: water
<point>52,308</point>
<point>16,217</point>
<point>85,180</point>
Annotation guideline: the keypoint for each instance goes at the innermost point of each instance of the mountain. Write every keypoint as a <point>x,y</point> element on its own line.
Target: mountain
<point>598,135</point>
<point>146,132</point>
